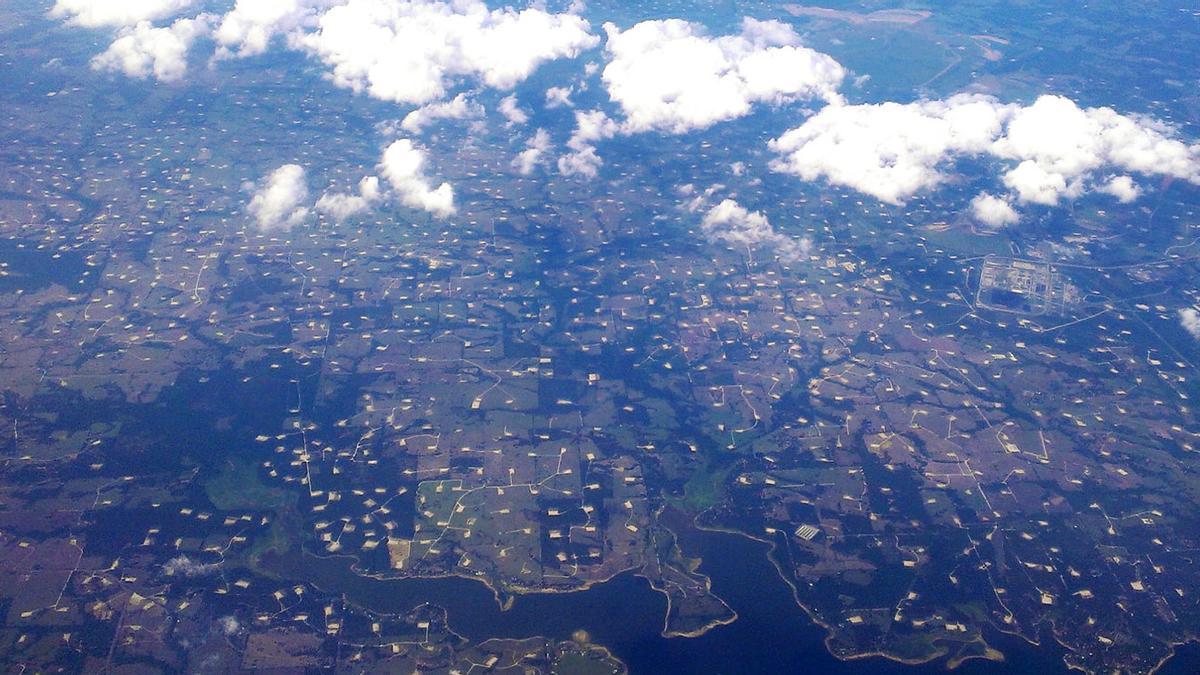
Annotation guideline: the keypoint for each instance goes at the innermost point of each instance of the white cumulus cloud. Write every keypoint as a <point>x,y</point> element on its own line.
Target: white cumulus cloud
<point>888,150</point>
<point>411,51</point>
<point>113,13</point>
<point>1068,144</point>
<point>590,126</point>
<point>146,50</point>
<point>557,97</point>
<point>1033,183</point>
<point>1049,150</point>
<point>512,111</point>
<point>248,28</point>
<point>994,211</point>
<point>1123,188</point>
<point>403,166</point>
<point>279,201</point>
<point>669,75</point>
<point>183,566</point>
<point>733,224</point>
<point>1189,318</point>
<point>339,205</point>
<point>533,154</point>
<point>460,107</point>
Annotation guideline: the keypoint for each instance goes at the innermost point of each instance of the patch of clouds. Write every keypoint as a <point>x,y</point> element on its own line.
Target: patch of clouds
<point>460,107</point>
<point>590,126</point>
<point>249,28</point>
<point>669,75</point>
<point>115,13</point>
<point>1048,151</point>
<point>412,51</point>
<point>1032,183</point>
<point>1069,143</point>
<point>888,150</point>
<point>146,50</point>
<point>584,162</point>
<point>696,200</point>
<point>278,203</point>
<point>1123,188</point>
<point>404,51</point>
<point>1189,318</point>
<point>403,166</point>
<point>183,566</point>
<point>994,211</point>
<point>229,625</point>
<point>341,206</point>
<point>402,177</point>
<point>558,97</point>
<point>533,154</point>
<point>511,110</point>
<point>733,224</point>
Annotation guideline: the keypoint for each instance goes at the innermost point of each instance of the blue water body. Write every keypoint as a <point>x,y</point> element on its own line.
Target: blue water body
<point>772,633</point>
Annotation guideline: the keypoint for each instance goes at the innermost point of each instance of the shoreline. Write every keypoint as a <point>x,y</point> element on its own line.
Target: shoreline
<point>506,597</point>
<point>505,602</point>
<point>951,664</point>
